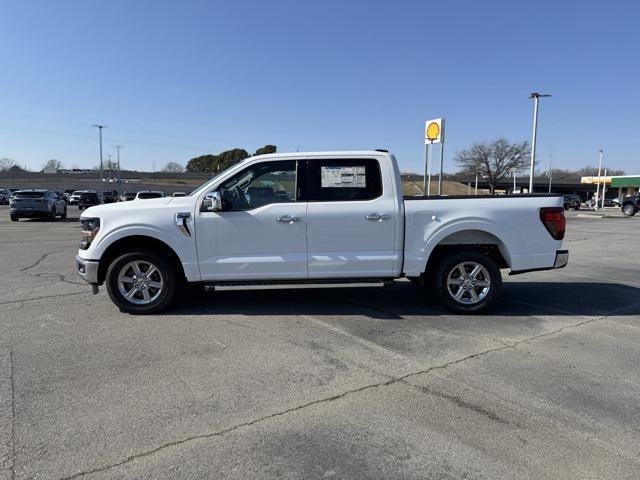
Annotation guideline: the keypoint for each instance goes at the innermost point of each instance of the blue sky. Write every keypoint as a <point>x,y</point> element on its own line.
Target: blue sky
<point>173,80</point>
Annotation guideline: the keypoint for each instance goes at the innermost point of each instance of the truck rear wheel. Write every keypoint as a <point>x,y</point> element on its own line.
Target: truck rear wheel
<point>141,282</point>
<point>467,281</point>
<point>629,210</point>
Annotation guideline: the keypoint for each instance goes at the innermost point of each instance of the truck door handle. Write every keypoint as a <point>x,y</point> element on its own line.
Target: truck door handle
<point>288,219</point>
<point>377,217</point>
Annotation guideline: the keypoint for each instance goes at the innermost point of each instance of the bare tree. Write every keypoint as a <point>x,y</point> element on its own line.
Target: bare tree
<point>52,164</point>
<point>493,161</point>
<point>6,164</point>
<point>173,167</point>
<point>589,171</point>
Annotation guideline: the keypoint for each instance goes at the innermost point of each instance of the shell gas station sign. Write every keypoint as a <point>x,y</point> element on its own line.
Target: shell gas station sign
<point>434,131</point>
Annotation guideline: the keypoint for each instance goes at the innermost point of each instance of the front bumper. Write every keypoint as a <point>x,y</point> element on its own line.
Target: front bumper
<point>87,269</point>
<point>561,261</point>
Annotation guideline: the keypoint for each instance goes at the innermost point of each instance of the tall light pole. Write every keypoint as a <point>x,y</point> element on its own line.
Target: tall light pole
<point>118,147</point>
<point>100,127</point>
<point>598,185</point>
<point>536,97</point>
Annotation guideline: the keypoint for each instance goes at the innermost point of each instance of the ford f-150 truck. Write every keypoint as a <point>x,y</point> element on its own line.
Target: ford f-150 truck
<point>313,219</point>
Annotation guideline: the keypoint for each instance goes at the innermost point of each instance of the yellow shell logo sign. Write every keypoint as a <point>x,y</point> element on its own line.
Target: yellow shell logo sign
<point>433,131</point>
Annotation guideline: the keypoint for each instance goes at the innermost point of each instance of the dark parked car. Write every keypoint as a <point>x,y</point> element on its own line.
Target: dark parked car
<point>630,205</point>
<point>110,196</point>
<point>88,199</point>
<point>5,195</point>
<point>571,202</point>
<point>36,203</point>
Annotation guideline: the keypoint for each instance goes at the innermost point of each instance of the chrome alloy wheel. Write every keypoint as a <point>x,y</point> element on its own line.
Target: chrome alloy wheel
<point>468,283</point>
<point>140,282</point>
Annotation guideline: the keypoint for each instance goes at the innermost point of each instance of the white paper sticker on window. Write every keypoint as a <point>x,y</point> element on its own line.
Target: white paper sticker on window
<point>343,177</point>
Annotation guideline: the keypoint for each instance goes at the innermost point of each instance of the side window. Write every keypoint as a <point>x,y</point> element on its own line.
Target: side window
<point>260,184</point>
<point>344,180</point>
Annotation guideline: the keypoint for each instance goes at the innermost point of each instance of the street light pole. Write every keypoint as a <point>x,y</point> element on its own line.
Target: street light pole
<point>598,185</point>
<point>100,127</point>
<point>536,97</point>
<point>118,147</point>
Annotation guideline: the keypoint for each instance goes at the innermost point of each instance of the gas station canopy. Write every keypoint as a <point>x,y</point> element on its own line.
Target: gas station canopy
<point>626,181</point>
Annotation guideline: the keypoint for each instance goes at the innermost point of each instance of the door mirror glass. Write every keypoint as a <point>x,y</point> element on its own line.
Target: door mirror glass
<point>212,202</point>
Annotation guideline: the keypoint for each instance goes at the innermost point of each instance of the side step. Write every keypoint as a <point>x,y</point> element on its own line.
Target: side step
<point>297,284</point>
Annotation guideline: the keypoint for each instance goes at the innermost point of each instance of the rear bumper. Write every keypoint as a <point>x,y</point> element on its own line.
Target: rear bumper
<point>561,261</point>
<point>23,212</point>
<point>87,269</point>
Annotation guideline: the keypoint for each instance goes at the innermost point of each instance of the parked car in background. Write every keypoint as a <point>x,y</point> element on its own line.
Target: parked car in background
<point>127,196</point>
<point>75,196</point>
<point>608,202</point>
<point>630,205</point>
<point>5,195</point>
<point>148,194</point>
<point>571,202</point>
<point>178,194</point>
<point>110,196</point>
<point>36,204</point>
<point>88,199</point>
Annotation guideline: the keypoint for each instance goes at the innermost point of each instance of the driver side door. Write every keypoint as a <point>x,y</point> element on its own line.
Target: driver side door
<point>261,232</point>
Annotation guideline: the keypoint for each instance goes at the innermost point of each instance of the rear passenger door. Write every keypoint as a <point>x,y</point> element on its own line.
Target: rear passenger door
<point>351,222</point>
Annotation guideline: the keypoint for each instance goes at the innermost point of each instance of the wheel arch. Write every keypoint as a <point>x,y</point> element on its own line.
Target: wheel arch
<point>132,242</point>
<point>479,238</point>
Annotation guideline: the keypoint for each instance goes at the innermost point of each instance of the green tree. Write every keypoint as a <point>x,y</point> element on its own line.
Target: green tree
<point>216,163</point>
<point>266,149</point>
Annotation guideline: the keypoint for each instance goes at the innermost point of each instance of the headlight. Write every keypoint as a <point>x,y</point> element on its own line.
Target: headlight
<point>89,230</point>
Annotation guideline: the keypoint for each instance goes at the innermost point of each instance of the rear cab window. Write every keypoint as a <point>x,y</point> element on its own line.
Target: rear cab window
<point>352,179</point>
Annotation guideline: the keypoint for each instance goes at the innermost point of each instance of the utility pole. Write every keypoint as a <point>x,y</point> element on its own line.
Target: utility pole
<point>441,167</point>
<point>514,182</point>
<point>604,187</point>
<point>476,191</point>
<point>100,127</point>
<point>118,147</point>
<point>598,185</point>
<point>536,97</point>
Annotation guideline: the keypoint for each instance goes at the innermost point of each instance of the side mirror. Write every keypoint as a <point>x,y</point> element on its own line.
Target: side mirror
<point>212,202</point>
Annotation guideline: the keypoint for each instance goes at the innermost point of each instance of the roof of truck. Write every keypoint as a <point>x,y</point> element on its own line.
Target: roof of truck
<point>335,153</point>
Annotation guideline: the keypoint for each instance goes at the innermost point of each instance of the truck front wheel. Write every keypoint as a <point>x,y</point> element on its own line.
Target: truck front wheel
<point>467,281</point>
<point>141,282</point>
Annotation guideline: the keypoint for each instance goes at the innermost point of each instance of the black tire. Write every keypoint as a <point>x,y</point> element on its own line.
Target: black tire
<point>628,210</point>
<point>450,265</point>
<point>79,207</point>
<point>14,218</point>
<point>168,278</point>
<point>64,213</point>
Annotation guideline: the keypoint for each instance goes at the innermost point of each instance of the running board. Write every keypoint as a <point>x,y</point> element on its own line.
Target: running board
<point>297,284</point>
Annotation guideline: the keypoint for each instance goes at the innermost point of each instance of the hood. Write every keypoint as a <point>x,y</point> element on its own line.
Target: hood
<point>123,207</point>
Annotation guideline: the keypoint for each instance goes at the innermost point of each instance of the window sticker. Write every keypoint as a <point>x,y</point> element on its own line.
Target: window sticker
<point>343,177</point>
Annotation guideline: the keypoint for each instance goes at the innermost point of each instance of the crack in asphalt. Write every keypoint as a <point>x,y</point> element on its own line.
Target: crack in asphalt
<point>9,302</point>
<point>59,276</point>
<point>42,257</point>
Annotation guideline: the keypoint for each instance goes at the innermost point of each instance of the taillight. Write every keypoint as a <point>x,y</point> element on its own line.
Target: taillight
<point>553,219</point>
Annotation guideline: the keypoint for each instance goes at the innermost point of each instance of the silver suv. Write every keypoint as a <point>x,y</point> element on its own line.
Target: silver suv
<point>36,203</point>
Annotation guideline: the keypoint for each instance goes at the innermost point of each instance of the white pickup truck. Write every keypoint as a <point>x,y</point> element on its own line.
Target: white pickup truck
<point>314,219</point>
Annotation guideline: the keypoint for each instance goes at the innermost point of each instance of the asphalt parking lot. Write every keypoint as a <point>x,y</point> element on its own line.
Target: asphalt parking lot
<point>336,383</point>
